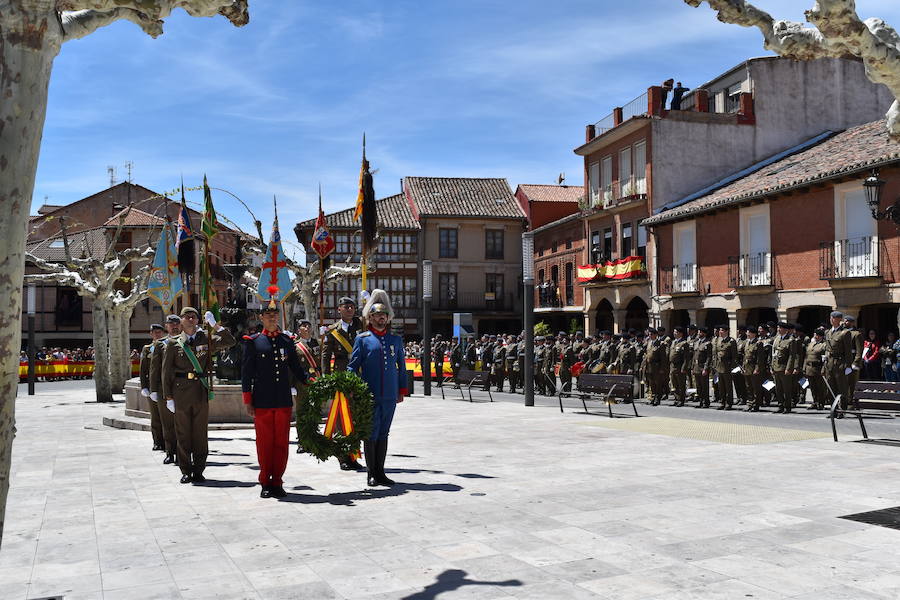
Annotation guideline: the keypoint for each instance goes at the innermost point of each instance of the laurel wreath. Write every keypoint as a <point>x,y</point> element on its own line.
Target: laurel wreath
<point>311,412</point>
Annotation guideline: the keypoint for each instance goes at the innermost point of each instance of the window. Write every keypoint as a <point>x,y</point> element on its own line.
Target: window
<point>396,247</point>
<point>626,239</point>
<point>493,243</point>
<point>625,185</point>
<point>541,275</point>
<point>640,167</point>
<point>642,242</point>
<point>607,243</point>
<point>569,244</point>
<point>606,180</point>
<point>448,243</point>
<point>684,269</point>
<point>493,287</point>
<point>554,247</point>
<point>447,289</point>
<point>595,247</point>
<point>733,98</point>
<point>68,307</point>
<point>570,285</point>
<point>594,178</point>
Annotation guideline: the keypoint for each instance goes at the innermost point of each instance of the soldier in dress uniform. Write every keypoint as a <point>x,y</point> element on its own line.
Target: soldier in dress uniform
<point>456,356</point>
<point>156,333</point>
<point>627,354</point>
<point>753,367</point>
<point>766,340</point>
<point>498,370</point>
<point>656,366</point>
<point>800,343</point>
<point>839,355</point>
<point>337,343</point>
<point>549,373</point>
<point>487,361</point>
<point>186,382</point>
<point>310,353</point>
<point>470,357</point>
<point>269,360</point>
<point>692,341</point>
<point>783,347</point>
<point>679,363</point>
<point>378,358</point>
<point>740,385</point>
<point>724,359</point>
<point>813,366</point>
<point>511,363</point>
<point>701,365</point>
<point>857,346</point>
<point>540,357</point>
<point>438,352</point>
<point>166,409</point>
<point>566,361</point>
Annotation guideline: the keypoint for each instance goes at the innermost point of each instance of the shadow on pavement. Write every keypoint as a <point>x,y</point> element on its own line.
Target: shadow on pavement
<point>475,476</point>
<point>451,580</point>
<point>350,498</point>
<point>225,483</point>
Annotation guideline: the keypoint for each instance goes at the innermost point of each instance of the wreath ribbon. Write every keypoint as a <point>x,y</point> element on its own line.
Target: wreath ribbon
<point>338,412</point>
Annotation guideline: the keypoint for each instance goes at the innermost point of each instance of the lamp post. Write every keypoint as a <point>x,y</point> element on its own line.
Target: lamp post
<point>873,186</point>
<point>528,284</point>
<point>31,309</point>
<point>426,327</point>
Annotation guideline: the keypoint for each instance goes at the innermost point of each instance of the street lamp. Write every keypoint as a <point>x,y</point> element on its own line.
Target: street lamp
<point>528,283</point>
<point>426,327</point>
<point>873,186</point>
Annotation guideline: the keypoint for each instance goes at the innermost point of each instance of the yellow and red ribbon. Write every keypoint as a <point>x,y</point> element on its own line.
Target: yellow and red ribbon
<point>339,414</point>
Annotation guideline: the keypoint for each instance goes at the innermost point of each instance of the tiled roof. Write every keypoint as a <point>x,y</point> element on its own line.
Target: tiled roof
<point>552,193</point>
<point>90,243</point>
<point>463,197</point>
<point>557,223</point>
<point>857,149</point>
<point>134,218</point>
<point>393,213</point>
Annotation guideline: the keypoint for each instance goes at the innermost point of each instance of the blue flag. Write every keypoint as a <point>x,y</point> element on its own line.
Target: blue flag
<point>274,279</point>
<point>165,283</point>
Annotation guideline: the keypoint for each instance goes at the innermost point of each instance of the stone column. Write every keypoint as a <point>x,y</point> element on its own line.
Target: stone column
<point>732,322</point>
<point>619,320</point>
<point>692,315</point>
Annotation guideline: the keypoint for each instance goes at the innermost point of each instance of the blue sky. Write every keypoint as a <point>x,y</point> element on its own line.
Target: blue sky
<point>458,88</point>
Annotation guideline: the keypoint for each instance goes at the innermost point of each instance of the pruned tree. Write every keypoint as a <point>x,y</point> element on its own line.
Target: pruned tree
<point>119,321</point>
<point>838,33</point>
<point>32,33</point>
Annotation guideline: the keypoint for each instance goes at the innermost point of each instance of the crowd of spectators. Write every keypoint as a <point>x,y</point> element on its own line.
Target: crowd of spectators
<point>65,354</point>
<point>880,356</point>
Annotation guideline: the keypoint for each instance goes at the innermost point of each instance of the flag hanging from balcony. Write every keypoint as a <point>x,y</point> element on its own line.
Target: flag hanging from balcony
<point>165,284</point>
<point>623,268</point>
<point>274,279</point>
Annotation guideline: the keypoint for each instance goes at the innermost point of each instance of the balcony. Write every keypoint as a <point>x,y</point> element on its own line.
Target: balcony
<point>854,258</point>
<point>679,279</point>
<point>751,270</point>
<point>620,193</point>
<point>475,302</point>
<point>638,106</point>
<point>550,295</point>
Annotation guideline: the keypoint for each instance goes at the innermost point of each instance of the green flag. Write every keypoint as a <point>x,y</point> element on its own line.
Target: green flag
<point>210,225</point>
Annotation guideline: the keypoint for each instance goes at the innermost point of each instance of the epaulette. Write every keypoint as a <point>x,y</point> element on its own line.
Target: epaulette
<point>364,334</point>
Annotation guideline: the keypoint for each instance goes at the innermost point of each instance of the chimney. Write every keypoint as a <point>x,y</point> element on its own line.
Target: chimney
<point>589,133</point>
<point>701,100</point>
<point>655,100</point>
<point>745,108</point>
<point>617,116</point>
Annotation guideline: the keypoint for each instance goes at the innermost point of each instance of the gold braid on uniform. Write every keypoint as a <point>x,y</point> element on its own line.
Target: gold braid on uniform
<point>310,410</point>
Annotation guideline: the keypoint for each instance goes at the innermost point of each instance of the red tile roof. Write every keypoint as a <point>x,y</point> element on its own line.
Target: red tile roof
<point>552,193</point>
<point>134,218</point>
<point>857,149</point>
<point>462,197</point>
<point>393,213</point>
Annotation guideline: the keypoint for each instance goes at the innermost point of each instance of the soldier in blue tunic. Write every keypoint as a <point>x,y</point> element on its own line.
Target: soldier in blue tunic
<point>378,358</point>
<point>269,360</point>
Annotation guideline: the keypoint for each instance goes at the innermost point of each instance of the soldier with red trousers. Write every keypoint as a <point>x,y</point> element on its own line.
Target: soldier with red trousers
<point>270,359</point>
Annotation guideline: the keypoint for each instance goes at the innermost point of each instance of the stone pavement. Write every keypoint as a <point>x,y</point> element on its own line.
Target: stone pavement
<point>496,501</point>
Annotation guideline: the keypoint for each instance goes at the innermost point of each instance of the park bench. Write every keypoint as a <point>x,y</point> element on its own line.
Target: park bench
<point>876,399</point>
<point>468,378</point>
<point>610,389</point>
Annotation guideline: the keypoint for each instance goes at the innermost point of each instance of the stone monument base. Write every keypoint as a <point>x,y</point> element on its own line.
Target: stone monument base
<point>226,407</point>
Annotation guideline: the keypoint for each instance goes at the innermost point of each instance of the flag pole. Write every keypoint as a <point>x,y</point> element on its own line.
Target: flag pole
<point>283,312</point>
<point>321,294</point>
<point>362,237</point>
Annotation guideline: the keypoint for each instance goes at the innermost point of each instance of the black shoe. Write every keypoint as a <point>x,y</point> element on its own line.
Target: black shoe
<point>371,460</point>
<point>345,466</point>
<point>779,411</point>
<point>839,415</point>
<point>277,491</point>
<point>266,492</point>
<point>372,481</point>
<point>157,447</point>
<point>186,479</point>
<point>355,466</point>
<point>299,450</point>
<point>381,447</point>
<point>198,478</point>
<point>720,408</point>
<point>169,459</point>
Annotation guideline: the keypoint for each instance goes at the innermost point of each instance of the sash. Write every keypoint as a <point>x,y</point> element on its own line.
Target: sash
<point>341,339</point>
<point>196,364</point>
<point>309,358</point>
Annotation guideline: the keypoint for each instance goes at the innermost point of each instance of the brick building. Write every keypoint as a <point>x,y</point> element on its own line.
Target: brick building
<point>789,238</point>
<point>644,158</point>
<point>396,259</point>
<point>559,247</point>
<point>65,319</point>
<point>543,204</point>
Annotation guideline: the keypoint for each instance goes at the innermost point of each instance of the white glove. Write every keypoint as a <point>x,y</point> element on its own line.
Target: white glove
<point>154,396</point>
<point>364,295</point>
<point>210,318</point>
<point>145,392</point>
<point>170,404</point>
<point>293,391</point>
<point>322,330</point>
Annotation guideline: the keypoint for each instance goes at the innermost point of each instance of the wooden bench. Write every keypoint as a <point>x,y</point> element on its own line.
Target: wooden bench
<point>611,389</point>
<point>468,378</point>
<point>878,399</point>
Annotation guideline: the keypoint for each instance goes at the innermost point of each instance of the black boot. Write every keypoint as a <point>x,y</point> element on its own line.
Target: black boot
<point>371,462</point>
<point>381,449</point>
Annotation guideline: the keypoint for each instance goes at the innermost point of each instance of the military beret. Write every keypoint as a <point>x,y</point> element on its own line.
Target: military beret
<point>606,332</point>
<point>157,326</point>
<point>771,324</point>
<point>492,337</point>
<point>304,322</point>
<point>632,331</point>
<point>346,300</point>
<point>189,309</point>
<point>617,336</point>
<point>850,318</point>
<point>678,328</point>
<point>539,338</point>
<point>579,333</point>
<point>703,330</point>
<point>693,326</point>
<point>784,325</point>
<point>652,330</point>
<point>836,314</point>
<point>820,331</point>
<point>173,319</point>
<point>752,330</point>
<point>742,328</point>
<point>561,334</point>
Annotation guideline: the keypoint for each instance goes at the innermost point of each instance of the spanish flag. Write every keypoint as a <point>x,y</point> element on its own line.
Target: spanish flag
<point>623,268</point>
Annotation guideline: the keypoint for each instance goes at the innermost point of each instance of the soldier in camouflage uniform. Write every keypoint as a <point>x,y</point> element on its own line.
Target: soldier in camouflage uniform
<point>656,366</point>
<point>701,366</point>
<point>679,363</point>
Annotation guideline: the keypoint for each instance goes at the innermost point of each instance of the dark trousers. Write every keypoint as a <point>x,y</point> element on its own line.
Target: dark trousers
<point>191,417</point>
<point>783,390</point>
<point>754,390</point>
<point>439,374</point>
<point>156,429</point>
<point>273,431</point>
<point>701,381</point>
<point>383,417</point>
<point>550,382</point>
<point>740,387</point>
<point>167,419</point>
<point>724,391</point>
